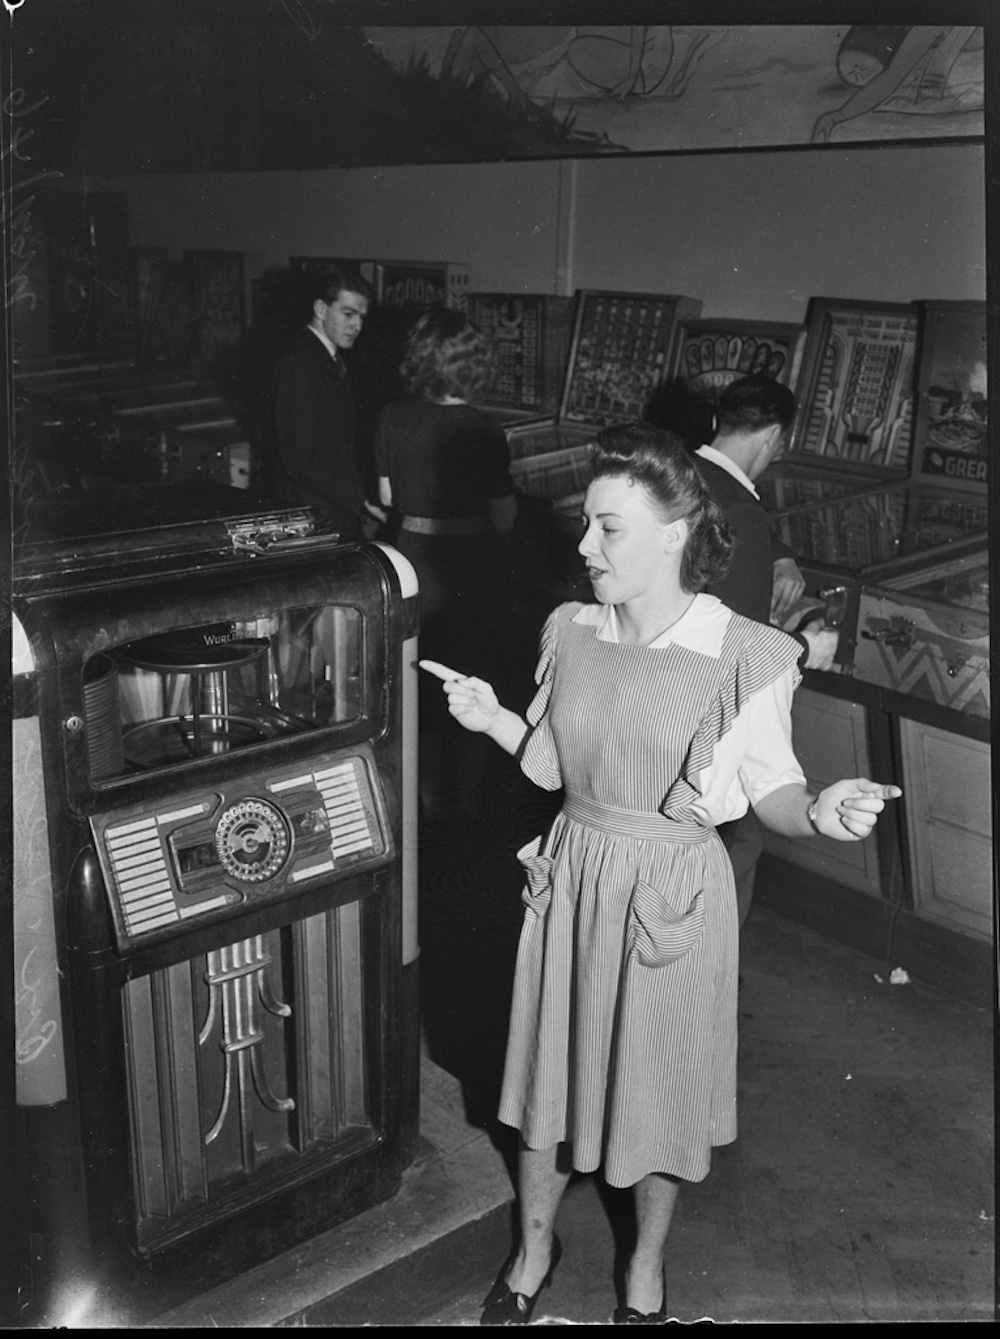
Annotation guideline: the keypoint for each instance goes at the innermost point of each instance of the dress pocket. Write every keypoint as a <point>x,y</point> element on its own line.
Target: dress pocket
<point>658,934</point>
<point>537,893</point>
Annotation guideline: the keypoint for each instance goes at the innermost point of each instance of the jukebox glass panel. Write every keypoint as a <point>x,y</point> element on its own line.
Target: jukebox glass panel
<point>208,689</point>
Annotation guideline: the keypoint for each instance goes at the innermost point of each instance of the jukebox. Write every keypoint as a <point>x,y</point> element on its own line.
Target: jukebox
<point>215,920</point>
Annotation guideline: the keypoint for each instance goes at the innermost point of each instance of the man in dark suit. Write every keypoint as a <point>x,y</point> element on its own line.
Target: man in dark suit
<point>314,410</point>
<point>753,418</point>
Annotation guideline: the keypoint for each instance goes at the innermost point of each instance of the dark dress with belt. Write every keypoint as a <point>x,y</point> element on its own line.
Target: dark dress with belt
<point>314,418</point>
<point>445,462</point>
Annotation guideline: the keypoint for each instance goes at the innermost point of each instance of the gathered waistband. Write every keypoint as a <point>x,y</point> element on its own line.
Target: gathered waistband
<point>628,823</point>
<point>445,525</point>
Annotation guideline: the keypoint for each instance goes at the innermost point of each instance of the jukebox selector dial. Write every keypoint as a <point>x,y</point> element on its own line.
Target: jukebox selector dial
<point>252,840</point>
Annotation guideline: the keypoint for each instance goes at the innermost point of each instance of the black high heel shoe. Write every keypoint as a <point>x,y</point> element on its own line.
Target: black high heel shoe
<point>627,1315</point>
<point>503,1307</point>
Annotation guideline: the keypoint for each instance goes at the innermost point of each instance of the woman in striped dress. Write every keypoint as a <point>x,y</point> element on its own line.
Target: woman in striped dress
<point>661,714</point>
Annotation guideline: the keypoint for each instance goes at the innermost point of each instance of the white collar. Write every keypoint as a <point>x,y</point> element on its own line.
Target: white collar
<point>701,627</point>
<point>327,343</point>
<point>730,466</point>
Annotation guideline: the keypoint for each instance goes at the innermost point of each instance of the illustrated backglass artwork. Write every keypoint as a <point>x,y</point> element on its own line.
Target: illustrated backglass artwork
<point>855,390</point>
<point>709,355</point>
<point>514,325</point>
<point>619,354</point>
<point>529,334</point>
<point>401,284</point>
<point>950,438</point>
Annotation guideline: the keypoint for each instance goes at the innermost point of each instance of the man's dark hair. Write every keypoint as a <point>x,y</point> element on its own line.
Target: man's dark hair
<point>754,402</point>
<point>329,284</point>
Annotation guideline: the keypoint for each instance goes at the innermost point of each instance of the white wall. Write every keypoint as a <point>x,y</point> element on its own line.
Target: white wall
<point>752,234</point>
<point>501,219</point>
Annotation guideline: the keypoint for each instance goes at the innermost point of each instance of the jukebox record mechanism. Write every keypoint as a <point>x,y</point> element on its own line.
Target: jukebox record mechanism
<point>203,656</point>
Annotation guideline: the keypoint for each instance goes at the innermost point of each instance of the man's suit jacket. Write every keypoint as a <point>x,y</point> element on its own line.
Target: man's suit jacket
<point>314,418</point>
<point>746,588</point>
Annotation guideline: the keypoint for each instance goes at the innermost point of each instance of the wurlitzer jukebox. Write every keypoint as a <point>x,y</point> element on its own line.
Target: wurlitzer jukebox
<point>214,861</point>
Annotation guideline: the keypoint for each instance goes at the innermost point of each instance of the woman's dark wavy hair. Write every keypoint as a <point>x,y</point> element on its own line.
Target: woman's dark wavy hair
<point>446,355</point>
<point>658,461</point>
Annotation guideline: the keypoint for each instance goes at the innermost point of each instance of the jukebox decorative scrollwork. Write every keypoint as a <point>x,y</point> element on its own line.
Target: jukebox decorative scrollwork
<point>238,984</point>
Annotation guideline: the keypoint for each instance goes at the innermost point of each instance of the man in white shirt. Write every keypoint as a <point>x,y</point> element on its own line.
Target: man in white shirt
<point>753,418</point>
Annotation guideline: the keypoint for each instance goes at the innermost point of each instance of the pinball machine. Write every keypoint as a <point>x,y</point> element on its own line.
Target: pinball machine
<point>883,500</point>
<point>215,882</point>
<point>529,334</point>
<point>131,424</point>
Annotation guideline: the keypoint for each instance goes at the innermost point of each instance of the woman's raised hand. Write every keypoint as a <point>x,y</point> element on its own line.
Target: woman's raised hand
<point>848,810</point>
<point>471,701</point>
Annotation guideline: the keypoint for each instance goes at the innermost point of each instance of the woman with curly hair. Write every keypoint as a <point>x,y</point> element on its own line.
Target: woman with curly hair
<point>659,713</point>
<point>443,468</point>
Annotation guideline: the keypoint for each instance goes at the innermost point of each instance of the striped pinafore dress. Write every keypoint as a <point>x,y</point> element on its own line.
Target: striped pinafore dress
<point>622,1036</point>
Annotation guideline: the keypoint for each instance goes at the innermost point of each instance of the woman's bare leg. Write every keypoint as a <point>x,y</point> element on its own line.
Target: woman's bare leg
<point>541,1183</point>
<point>655,1197</point>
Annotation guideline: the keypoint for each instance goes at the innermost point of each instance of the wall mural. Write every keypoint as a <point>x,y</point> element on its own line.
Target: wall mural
<point>283,86</point>
<point>554,91</point>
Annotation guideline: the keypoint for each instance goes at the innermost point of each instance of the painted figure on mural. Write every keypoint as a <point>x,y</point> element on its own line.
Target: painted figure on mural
<point>547,62</point>
<point>923,70</point>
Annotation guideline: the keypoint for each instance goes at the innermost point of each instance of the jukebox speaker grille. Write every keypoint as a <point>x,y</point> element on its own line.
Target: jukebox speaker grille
<point>105,749</point>
<point>245,1064</point>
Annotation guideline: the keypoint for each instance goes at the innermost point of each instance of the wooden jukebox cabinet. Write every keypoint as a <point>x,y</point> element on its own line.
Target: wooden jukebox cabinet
<point>216,923</point>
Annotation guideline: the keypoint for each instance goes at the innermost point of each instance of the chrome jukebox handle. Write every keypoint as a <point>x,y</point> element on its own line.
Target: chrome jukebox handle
<point>279,543</point>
